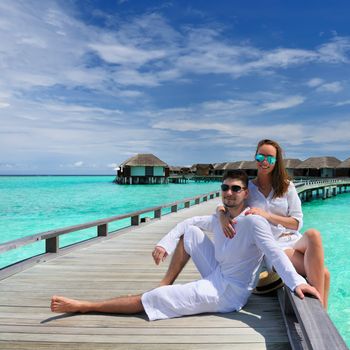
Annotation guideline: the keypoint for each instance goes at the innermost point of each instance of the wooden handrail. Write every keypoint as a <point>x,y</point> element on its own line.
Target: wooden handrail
<point>102,229</point>
<point>308,325</point>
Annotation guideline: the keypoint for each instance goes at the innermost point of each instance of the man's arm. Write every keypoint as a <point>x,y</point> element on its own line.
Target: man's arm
<point>167,244</point>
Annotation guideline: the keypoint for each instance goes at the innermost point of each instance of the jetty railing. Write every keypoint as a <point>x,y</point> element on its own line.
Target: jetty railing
<point>308,325</point>
<point>329,187</point>
<point>51,238</point>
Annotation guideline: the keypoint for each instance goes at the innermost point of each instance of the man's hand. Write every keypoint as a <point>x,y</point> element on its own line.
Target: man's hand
<point>159,254</point>
<point>258,211</point>
<point>301,289</point>
<point>227,224</point>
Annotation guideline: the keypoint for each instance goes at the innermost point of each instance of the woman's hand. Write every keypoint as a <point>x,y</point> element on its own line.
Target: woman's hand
<point>227,225</point>
<point>159,254</point>
<point>258,211</point>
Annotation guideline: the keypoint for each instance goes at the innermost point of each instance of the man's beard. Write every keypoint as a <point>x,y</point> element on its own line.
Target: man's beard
<point>234,205</point>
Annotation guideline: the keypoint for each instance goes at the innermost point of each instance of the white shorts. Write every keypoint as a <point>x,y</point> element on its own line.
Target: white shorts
<point>288,241</point>
<point>208,294</point>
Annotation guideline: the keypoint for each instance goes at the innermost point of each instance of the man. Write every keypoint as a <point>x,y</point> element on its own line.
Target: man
<point>228,267</point>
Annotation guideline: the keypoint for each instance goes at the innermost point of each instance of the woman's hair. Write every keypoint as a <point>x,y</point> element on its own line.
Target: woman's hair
<point>280,177</point>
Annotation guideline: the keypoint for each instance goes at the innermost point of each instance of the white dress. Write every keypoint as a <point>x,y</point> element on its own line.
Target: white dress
<point>287,205</point>
<point>229,267</point>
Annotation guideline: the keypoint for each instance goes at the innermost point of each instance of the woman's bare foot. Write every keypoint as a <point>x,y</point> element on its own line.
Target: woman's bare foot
<point>62,304</point>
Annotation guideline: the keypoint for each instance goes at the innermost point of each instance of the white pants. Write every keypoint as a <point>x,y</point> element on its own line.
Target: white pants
<point>208,294</point>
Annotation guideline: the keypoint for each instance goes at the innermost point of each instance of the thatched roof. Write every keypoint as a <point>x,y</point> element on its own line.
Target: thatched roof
<point>202,166</point>
<point>144,160</point>
<point>175,168</point>
<point>319,163</point>
<point>231,165</point>
<point>219,166</point>
<point>248,165</point>
<point>344,164</point>
<point>290,163</point>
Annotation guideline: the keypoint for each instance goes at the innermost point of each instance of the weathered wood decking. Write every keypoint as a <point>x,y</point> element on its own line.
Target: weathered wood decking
<point>123,265</point>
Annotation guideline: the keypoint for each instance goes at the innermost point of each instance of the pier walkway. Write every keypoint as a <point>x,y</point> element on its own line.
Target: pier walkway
<point>122,264</point>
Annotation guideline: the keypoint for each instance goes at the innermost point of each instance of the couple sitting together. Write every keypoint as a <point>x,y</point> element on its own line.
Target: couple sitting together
<point>230,265</point>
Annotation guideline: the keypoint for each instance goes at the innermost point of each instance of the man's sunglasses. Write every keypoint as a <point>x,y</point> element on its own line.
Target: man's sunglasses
<point>234,188</point>
<point>261,157</point>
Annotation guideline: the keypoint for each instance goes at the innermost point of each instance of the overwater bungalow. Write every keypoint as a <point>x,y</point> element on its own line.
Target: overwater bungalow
<point>232,165</point>
<point>343,169</point>
<point>291,165</point>
<point>249,166</point>
<point>319,166</point>
<point>143,169</point>
<point>218,169</point>
<point>174,170</point>
<point>202,169</point>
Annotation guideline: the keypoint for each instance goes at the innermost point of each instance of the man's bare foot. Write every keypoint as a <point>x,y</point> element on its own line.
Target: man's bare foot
<point>62,304</point>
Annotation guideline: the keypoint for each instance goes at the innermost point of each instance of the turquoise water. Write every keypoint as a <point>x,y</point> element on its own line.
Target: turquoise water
<point>332,218</point>
<point>30,205</point>
<point>34,204</point>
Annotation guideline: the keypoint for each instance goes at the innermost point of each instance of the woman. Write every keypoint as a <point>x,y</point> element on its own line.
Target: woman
<point>273,196</point>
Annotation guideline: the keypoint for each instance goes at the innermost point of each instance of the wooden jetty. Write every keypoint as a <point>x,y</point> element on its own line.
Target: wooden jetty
<point>121,263</point>
<point>322,188</point>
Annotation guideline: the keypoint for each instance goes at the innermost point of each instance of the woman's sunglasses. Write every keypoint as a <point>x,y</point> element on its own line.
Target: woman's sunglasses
<point>234,188</point>
<point>261,157</point>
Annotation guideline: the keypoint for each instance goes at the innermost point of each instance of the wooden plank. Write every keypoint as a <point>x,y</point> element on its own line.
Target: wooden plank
<point>121,265</point>
<point>15,345</point>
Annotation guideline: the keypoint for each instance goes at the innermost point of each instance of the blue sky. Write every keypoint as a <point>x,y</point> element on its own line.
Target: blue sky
<point>86,84</point>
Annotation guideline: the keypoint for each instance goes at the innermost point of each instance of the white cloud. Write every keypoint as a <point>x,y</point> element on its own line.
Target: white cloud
<point>343,103</point>
<point>123,54</point>
<point>286,103</point>
<point>335,51</point>
<point>79,164</point>
<point>4,104</point>
<point>315,82</point>
<point>331,87</point>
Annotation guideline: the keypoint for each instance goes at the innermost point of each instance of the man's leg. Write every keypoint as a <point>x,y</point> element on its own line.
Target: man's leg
<point>120,305</point>
<point>177,263</point>
<point>196,245</point>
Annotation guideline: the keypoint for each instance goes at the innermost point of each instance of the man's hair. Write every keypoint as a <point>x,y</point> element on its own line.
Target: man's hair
<point>236,175</point>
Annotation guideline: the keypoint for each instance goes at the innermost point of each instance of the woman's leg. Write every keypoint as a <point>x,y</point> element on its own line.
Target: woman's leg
<point>327,283</point>
<point>308,259</point>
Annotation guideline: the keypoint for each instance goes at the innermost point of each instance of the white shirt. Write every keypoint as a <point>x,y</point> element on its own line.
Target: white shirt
<point>240,258</point>
<point>287,205</point>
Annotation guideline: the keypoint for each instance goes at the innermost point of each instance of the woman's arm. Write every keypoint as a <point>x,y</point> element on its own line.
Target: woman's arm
<point>293,218</point>
<point>286,221</point>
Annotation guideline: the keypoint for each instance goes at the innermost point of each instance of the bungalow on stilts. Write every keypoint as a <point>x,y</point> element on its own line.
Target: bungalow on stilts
<point>143,169</point>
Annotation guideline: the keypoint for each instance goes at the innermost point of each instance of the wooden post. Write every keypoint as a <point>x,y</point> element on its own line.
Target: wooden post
<point>196,201</point>
<point>174,208</point>
<point>52,245</point>
<point>135,220</point>
<point>211,196</point>
<point>205,198</point>
<point>325,192</point>
<point>187,204</point>
<point>102,230</point>
<point>158,213</point>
